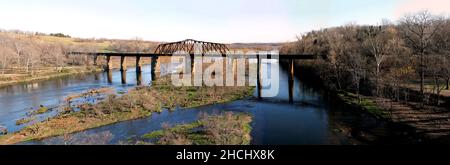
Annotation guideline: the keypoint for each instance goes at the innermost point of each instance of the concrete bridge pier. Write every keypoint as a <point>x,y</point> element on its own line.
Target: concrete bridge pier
<point>258,77</point>
<point>123,65</point>
<point>192,58</point>
<point>110,80</point>
<point>123,69</point>
<point>138,71</point>
<point>138,64</point>
<point>95,60</point>
<point>291,81</point>
<point>108,63</point>
<point>139,78</point>
<point>154,62</point>
<point>123,73</point>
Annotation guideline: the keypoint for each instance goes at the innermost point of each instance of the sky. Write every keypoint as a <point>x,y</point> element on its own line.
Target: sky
<point>226,21</point>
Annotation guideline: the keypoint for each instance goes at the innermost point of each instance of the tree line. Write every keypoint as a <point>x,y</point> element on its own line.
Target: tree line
<point>383,60</point>
<point>28,52</point>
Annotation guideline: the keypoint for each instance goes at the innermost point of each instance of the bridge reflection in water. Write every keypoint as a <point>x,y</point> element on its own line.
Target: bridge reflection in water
<point>123,70</point>
<point>157,71</point>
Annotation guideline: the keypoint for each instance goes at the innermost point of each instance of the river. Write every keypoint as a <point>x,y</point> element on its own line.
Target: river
<point>312,118</point>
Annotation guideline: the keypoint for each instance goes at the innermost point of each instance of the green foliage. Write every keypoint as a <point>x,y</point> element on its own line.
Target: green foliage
<point>364,103</point>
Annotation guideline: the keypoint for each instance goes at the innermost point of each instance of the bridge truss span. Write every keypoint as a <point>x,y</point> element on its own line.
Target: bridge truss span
<point>189,46</point>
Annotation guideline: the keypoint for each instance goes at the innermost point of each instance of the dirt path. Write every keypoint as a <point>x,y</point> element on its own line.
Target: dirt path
<point>431,121</point>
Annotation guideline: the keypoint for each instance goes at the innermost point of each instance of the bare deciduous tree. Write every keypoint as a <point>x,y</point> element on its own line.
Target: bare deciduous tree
<point>137,45</point>
<point>438,72</point>
<point>380,41</point>
<point>418,30</point>
<point>5,51</point>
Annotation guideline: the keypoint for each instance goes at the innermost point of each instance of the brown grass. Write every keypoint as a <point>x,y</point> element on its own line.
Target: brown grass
<point>138,103</point>
<point>90,93</point>
<point>223,129</point>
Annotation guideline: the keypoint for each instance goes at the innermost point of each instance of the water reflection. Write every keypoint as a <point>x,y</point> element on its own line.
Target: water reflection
<point>110,76</point>
<point>139,77</point>
<point>17,100</point>
<point>124,76</point>
<point>310,119</point>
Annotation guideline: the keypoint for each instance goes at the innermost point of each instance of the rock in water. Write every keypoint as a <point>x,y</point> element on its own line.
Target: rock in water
<point>3,130</point>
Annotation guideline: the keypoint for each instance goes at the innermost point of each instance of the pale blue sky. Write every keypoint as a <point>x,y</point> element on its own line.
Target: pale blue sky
<point>212,20</point>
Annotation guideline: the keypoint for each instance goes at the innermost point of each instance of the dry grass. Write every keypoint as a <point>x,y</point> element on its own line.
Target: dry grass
<point>90,93</point>
<point>138,103</point>
<point>428,87</point>
<point>224,129</point>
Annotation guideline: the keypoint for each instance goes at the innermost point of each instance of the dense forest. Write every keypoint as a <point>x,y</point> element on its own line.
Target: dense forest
<point>402,61</point>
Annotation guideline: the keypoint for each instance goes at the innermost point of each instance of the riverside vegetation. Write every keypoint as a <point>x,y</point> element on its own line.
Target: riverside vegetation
<point>31,56</point>
<point>223,129</point>
<point>399,71</point>
<point>137,103</point>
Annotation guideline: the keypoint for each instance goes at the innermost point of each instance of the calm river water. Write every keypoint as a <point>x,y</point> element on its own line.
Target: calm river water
<point>312,119</point>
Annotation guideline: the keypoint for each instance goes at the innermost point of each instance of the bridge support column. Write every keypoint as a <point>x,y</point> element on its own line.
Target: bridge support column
<point>192,65</point>
<point>235,69</point>
<point>108,63</point>
<point>258,77</point>
<point>247,72</point>
<point>124,76</point>
<point>110,80</point>
<point>138,64</point>
<point>139,78</point>
<point>95,60</point>
<point>291,81</point>
<point>86,60</point>
<point>123,65</point>
<point>153,65</point>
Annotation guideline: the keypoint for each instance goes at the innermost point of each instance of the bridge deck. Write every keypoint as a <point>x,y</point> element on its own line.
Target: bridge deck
<point>281,56</point>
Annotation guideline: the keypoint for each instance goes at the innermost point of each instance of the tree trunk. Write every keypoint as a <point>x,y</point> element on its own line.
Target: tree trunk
<point>32,70</point>
<point>359,95</point>
<point>377,80</point>
<point>448,83</point>
<point>422,75</point>
<point>4,65</point>
<point>438,91</point>
<point>338,77</point>
<point>27,66</point>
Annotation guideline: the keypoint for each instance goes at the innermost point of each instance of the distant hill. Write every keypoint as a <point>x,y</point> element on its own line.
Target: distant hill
<point>256,46</point>
<point>103,44</point>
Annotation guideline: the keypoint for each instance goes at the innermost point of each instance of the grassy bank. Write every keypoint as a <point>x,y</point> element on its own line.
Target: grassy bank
<point>367,104</point>
<point>50,72</point>
<point>137,103</point>
<point>225,129</point>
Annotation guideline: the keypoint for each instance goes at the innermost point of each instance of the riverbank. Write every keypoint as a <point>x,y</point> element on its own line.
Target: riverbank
<point>137,103</point>
<point>11,79</point>
<point>430,122</point>
<point>51,72</point>
<point>223,129</point>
